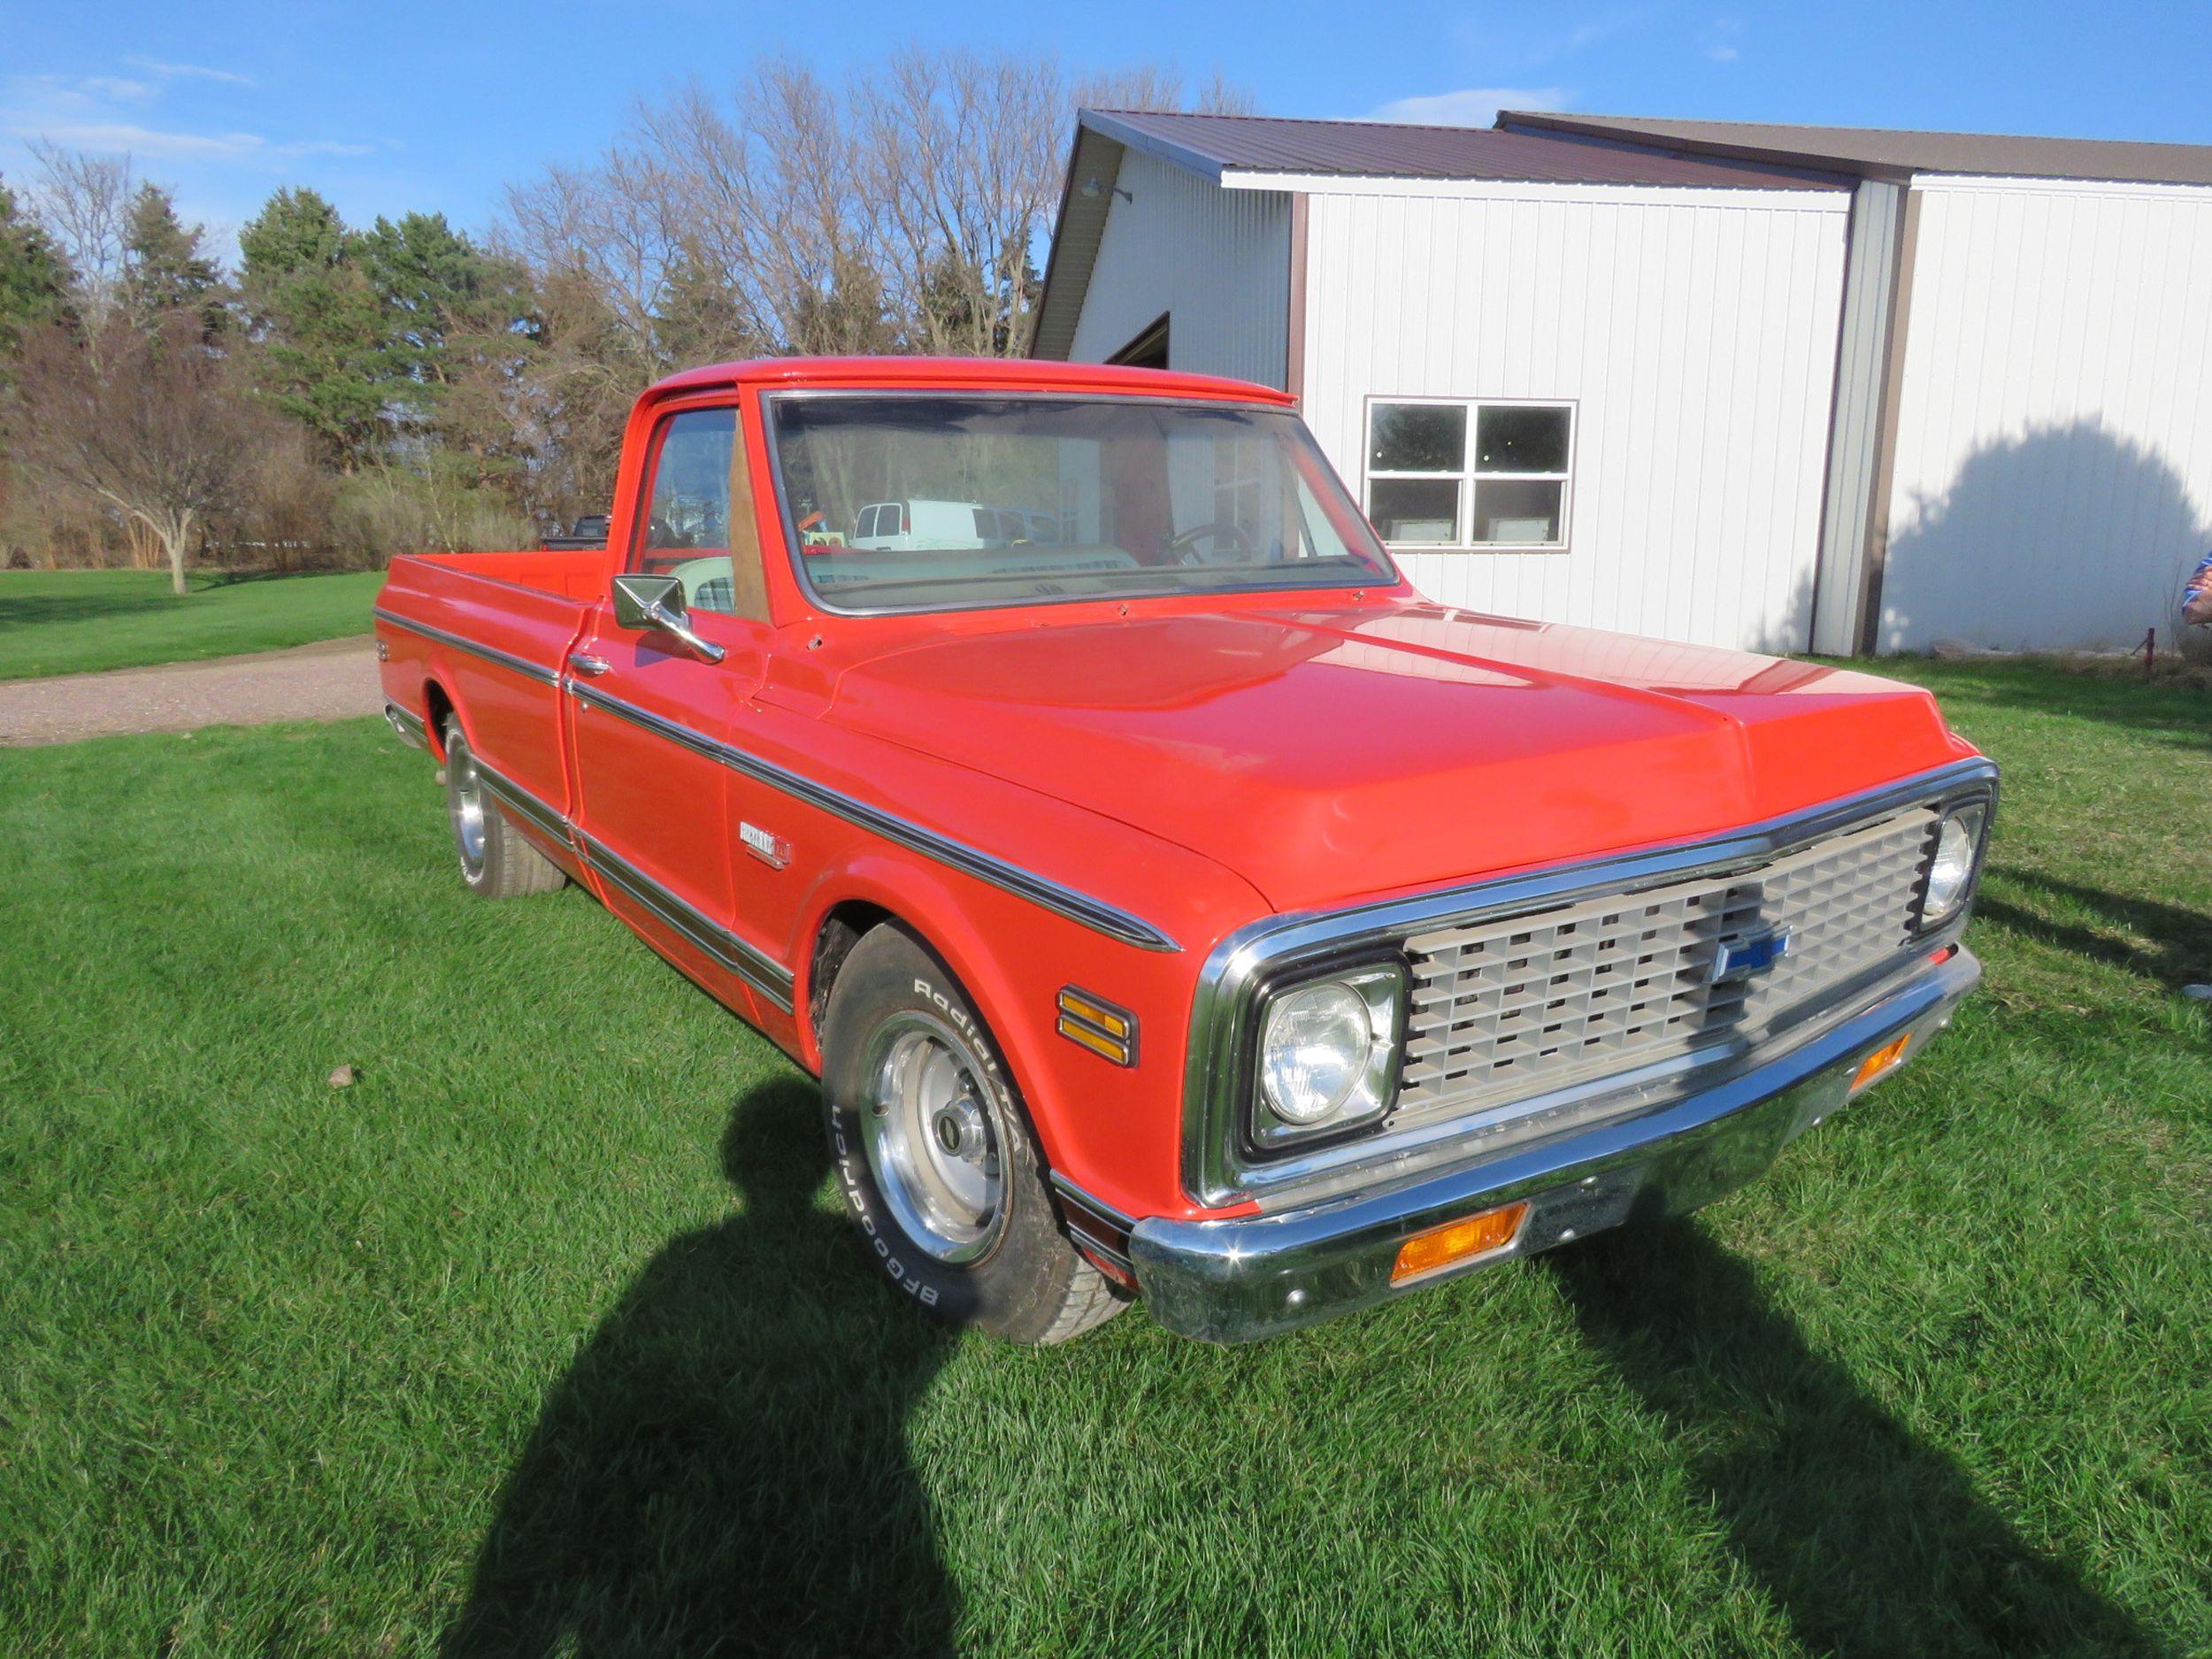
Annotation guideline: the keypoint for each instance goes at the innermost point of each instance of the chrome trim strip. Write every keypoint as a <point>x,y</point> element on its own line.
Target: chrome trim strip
<point>1222,1006</point>
<point>514,796</point>
<point>1078,907</point>
<point>1235,1280</point>
<point>505,659</point>
<point>748,962</point>
<point>406,725</point>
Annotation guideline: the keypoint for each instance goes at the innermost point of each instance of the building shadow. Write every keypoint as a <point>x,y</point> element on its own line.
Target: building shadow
<point>724,1470</point>
<point>2161,942</point>
<point>1867,1541</point>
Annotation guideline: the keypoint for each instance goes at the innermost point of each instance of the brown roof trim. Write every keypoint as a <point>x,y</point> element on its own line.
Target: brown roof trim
<point>1893,154</point>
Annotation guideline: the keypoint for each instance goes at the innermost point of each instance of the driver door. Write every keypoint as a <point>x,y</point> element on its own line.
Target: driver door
<point>650,711</point>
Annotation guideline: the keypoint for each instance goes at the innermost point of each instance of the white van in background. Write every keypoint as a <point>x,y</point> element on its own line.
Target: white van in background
<point>913,525</point>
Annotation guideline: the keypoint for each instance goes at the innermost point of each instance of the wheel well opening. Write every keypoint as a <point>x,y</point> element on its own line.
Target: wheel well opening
<point>436,707</point>
<point>841,929</point>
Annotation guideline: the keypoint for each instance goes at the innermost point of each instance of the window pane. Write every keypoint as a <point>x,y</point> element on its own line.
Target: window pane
<point>1011,500</point>
<point>1418,438</point>
<point>1516,510</point>
<point>1508,440</point>
<point>691,482</point>
<point>1414,509</point>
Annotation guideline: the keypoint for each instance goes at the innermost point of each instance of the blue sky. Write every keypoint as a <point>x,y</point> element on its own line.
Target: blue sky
<point>393,106</point>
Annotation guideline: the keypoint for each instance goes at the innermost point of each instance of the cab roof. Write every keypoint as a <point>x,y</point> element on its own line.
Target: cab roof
<point>966,375</point>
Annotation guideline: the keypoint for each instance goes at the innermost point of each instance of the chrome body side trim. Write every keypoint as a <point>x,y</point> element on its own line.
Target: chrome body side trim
<point>407,725</point>
<point>1216,1170</point>
<point>505,659</point>
<point>523,804</point>
<point>747,961</point>
<point>1093,913</point>
<point>1255,1276</point>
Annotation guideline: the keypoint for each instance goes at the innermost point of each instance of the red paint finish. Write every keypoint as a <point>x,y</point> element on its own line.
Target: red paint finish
<point>1197,763</point>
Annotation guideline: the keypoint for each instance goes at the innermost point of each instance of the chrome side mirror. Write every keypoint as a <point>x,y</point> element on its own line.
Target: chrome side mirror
<point>655,603</point>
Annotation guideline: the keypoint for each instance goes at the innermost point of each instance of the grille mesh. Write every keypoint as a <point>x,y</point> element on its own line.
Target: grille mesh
<point>1515,1008</point>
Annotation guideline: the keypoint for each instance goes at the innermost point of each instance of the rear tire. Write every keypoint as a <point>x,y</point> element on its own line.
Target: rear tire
<point>496,861</point>
<point>934,1157</point>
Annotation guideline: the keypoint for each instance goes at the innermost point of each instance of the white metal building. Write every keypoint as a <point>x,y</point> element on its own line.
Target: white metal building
<point>1781,388</point>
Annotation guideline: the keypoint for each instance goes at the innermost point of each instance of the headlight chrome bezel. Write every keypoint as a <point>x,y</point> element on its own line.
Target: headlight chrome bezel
<point>1381,982</point>
<point>1973,814</point>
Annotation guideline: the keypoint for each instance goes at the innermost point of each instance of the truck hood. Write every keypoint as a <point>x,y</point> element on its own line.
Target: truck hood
<point>1325,755</point>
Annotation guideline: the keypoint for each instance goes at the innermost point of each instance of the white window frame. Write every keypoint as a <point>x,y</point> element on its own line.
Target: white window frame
<point>1470,478</point>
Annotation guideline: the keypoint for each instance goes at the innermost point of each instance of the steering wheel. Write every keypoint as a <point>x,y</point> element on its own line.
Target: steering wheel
<point>1184,544</point>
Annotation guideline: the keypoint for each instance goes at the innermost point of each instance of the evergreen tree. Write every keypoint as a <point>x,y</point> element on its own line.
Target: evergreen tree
<point>325,359</point>
<point>33,277</point>
<point>166,264</point>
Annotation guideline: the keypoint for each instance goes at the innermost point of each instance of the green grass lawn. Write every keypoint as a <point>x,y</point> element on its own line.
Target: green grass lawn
<point>71,622</point>
<point>546,1335</point>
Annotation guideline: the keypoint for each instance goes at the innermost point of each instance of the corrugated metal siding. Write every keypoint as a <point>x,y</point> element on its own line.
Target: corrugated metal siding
<point>1699,344</point>
<point>1869,284</point>
<point>1216,261</point>
<point>2053,457</point>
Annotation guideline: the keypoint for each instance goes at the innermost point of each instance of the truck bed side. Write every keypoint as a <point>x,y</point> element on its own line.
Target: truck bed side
<point>484,636</point>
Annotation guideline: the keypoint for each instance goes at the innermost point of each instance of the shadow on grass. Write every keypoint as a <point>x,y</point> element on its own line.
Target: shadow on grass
<point>1867,1541</point>
<point>2173,716</point>
<point>723,1467</point>
<point>2162,942</point>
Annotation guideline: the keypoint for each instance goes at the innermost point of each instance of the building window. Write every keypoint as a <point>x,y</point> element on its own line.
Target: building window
<point>1462,474</point>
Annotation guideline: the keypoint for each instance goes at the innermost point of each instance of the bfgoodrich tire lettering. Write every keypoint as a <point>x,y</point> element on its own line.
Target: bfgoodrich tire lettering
<point>1012,1272</point>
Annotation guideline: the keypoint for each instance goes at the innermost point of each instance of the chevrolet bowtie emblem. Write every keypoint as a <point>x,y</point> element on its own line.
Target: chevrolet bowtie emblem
<point>1740,958</point>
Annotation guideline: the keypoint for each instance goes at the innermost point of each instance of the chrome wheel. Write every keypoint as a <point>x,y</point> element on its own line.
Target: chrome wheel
<point>932,1137</point>
<point>468,805</point>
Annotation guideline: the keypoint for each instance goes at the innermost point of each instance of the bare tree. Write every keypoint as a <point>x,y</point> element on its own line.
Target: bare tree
<point>960,165</point>
<point>84,202</point>
<point>1160,86</point>
<point>905,210</point>
<point>143,421</point>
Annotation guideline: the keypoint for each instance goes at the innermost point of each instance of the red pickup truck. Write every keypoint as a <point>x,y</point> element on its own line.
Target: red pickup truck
<point>1171,900</point>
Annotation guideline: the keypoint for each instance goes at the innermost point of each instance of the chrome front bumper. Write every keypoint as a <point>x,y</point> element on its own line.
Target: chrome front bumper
<point>1256,1276</point>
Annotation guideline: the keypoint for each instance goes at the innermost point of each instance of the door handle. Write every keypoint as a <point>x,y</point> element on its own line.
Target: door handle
<point>590,667</point>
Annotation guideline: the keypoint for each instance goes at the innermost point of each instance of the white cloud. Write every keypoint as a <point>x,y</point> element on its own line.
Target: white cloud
<point>173,71</point>
<point>1719,39</point>
<point>1471,106</point>
<point>116,87</point>
<point>1533,44</point>
<point>139,141</point>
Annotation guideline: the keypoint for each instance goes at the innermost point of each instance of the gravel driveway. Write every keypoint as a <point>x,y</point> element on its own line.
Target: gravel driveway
<point>333,680</point>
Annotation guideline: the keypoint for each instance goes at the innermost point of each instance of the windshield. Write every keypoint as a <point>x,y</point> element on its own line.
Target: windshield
<point>924,503</point>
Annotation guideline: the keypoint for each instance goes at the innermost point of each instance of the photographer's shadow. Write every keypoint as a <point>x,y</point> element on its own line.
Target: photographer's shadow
<point>724,1468</point>
<point>1869,1541</point>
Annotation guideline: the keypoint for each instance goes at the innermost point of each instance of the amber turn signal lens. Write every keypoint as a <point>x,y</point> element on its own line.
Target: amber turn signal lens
<point>1881,1061</point>
<point>1456,1240</point>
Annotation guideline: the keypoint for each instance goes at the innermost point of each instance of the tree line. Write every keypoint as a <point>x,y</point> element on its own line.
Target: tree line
<point>340,393</point>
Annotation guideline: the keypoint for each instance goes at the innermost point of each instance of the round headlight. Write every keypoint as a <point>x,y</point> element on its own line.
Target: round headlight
<point>1953,865</point>
<point>1313,1051</point>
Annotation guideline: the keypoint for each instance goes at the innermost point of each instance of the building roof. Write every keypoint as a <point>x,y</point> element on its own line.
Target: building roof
<point>1213,145</point>
<point>1252,149</point>
<point>1879,152</point>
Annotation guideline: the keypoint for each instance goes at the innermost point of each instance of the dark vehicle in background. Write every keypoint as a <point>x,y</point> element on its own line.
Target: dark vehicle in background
<point>587,532</point>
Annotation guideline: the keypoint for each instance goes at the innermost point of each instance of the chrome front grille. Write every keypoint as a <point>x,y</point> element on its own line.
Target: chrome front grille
<point>1510,1009</point>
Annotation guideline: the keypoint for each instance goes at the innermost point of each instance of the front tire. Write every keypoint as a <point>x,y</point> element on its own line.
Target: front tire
<point>934,1156</point>
<point>496,861</point>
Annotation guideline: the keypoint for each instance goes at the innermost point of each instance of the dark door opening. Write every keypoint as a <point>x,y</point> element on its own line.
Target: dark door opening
<point>1148,350</point>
